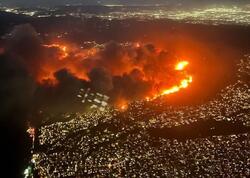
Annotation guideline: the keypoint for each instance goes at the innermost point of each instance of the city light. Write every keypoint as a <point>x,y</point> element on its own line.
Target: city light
<point>125,89</point>
<point>125,140</point>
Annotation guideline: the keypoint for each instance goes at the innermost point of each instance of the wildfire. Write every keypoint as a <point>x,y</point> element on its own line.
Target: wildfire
<point>181,65</point>
<point>62,48</point>
<point>80,61</point>
<point>184,83</point>
<point>121,104</point>
<point>63,60</point>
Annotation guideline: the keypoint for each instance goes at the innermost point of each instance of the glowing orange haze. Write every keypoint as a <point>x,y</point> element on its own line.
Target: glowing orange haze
<point>74,66</point>
<point>63,61</point>
<point>184,83</point>
<point>181,65</point>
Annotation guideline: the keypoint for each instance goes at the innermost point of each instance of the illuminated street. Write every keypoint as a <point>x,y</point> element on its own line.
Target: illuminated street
<point>117,144</point>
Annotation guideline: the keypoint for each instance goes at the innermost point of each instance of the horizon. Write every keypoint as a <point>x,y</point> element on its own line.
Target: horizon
<point>50,3</point>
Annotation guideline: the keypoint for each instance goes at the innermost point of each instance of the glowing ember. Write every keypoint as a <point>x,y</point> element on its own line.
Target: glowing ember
<point>31,132</point>
<point>181,65</point>
<point>124,107</point>
<point>138,45</point>
<point>122,104</point>
<point>62,48</point>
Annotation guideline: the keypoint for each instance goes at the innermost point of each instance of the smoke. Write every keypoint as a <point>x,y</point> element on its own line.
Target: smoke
<point>48,76</point>
<point>62,96</point>
<point>17,96</point>
<point>130,86</point>
<point>25,44</point>
<point>17,83</point>
<point>54,73</point>
<point>17,86</point>
<point>101,80</point>
<point>129,71</point>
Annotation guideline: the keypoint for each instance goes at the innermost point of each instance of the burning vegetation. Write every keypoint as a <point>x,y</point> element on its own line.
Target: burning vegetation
<point>144,70</point>
<point>124,71</point>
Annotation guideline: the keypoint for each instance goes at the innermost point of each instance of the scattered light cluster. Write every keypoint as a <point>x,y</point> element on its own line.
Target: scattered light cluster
<point>137,155</point>
<point>212,15</point>
<point>120,144</point>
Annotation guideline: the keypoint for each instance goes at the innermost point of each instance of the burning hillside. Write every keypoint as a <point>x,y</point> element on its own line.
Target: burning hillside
<point>123,71</point>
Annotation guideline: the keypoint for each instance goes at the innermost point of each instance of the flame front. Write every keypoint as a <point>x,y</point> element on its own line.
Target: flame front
<point>184,83</point>
<point>148,70</point>
<point>62,48</point>
<point>181,65</point>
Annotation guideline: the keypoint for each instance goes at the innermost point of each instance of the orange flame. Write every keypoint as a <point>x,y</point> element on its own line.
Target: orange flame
<point>63,60</point>
<point>70,57</point>
<point>62,48</point>
<point>184,83</point>
<point>181,65</point>
<point>121,104</point>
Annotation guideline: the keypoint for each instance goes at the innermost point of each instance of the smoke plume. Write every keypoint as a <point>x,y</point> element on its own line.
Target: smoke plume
<point>52,73</point>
